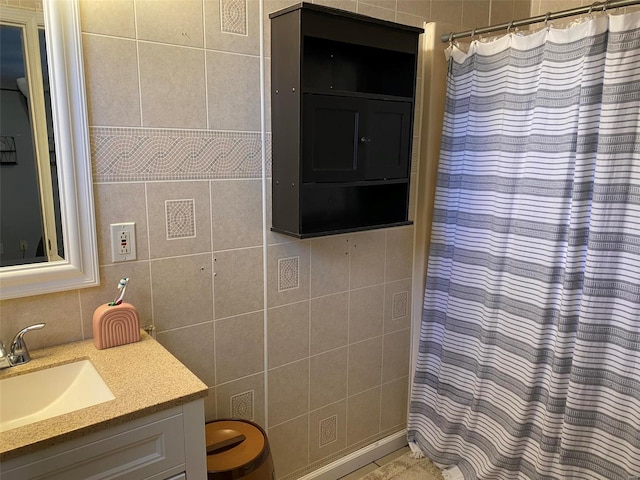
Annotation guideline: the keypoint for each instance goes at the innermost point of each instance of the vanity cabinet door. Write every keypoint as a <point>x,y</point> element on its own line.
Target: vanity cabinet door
<point>150,448</point>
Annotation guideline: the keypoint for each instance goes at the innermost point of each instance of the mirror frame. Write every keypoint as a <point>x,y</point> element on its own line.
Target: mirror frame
<point>79,269</point>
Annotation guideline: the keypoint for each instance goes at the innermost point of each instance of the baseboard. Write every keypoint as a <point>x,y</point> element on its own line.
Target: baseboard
<point>359,458</point>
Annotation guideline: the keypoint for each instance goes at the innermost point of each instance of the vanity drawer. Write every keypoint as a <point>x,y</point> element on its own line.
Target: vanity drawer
<point>149,448</point>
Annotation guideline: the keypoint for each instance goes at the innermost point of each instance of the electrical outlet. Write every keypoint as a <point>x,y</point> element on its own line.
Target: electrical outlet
<point>23,245</point>
<point>123,242</point>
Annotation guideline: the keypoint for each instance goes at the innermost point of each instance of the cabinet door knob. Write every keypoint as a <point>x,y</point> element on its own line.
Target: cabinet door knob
<point>365,140</point>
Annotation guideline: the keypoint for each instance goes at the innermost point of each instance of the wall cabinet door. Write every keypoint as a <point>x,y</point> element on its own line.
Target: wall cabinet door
<point>348,139</point>
<point>387,140</point>
<point>331,138</point>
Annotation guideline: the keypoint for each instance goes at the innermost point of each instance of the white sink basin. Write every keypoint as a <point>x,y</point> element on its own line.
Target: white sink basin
<point>47,393</point>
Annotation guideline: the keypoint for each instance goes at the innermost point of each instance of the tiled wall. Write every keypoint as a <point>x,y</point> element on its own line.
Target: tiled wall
<point>174,104</point>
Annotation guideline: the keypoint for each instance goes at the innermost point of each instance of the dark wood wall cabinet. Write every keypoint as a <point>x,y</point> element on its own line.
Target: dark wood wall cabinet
<point>342,106</point>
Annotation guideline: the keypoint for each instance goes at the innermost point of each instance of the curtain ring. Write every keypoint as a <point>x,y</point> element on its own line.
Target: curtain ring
<point>451,39</point>
<point>509,26</point>
<point>605,6</point>
<point>593,5</point>
<point>473,33</point>
<point>546,19</point>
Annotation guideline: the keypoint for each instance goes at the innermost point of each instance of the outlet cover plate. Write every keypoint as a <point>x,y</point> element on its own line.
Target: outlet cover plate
<point>116,245</point>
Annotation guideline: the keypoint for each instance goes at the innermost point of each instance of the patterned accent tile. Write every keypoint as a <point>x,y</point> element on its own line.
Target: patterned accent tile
<point>181,218</point>
<point>400,305</point>
<point>148,154</point>
<point>242,405</point>
<point>233,16</point>
<point>288,273</point>
<point>328,430</point>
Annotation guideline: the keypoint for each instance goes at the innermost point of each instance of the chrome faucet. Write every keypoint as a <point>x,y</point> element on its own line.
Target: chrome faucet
<point>18,353</point>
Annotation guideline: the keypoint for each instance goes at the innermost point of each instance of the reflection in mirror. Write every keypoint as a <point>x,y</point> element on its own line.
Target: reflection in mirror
<point>47,224</point>
<point>30,224</point>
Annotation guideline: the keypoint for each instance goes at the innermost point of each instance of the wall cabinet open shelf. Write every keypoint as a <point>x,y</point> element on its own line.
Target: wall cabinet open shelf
<point>342,104</point>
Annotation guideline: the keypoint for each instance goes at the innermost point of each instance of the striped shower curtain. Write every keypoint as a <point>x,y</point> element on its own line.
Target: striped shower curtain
<point>529,357</point>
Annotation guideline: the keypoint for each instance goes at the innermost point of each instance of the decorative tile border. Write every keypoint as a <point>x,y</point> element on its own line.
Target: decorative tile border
<point>148,154</point>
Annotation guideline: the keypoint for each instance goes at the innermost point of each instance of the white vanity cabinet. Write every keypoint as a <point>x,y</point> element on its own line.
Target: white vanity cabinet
<point>166,445</point>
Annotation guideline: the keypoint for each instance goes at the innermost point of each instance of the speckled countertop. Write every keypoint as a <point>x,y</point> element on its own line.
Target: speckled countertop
<point>143,376</point>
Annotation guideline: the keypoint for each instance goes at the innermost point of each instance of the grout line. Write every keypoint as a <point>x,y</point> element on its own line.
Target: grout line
<point>265,337</point>
<point>309,381</point>
<point>228,382</point>
<point>182,180</point>
<point>143,178</point>
<point>290,420</point>
<point>206,80</point>
<point>179,45</point>
<point>115,37</point>
<point>309,358</point>
<point>166,43</point>
<point>348,347</point>
<point>237,315</point>
<point>124,129</point>
<point>146,208</point>
<point>135,25</point>
<point>224,250</point>
<point>204,26</point>
<point>314,355</point>
<point>159,259</point>
<point>193,131</point>
<point>184,327</point>
<point>213,301</point>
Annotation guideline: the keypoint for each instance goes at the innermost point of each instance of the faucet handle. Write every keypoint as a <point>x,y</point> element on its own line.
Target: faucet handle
<point>18,352</point>
<point>4,358</point>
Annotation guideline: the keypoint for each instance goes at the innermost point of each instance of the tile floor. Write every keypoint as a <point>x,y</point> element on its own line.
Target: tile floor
<point>361,472</point>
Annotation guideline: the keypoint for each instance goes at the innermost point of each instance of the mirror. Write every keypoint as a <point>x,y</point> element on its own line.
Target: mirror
<point>30,229</point>
<point>63,255</point>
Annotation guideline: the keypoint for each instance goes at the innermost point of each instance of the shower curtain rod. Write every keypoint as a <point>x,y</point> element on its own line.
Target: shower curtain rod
<point>597,6</point>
